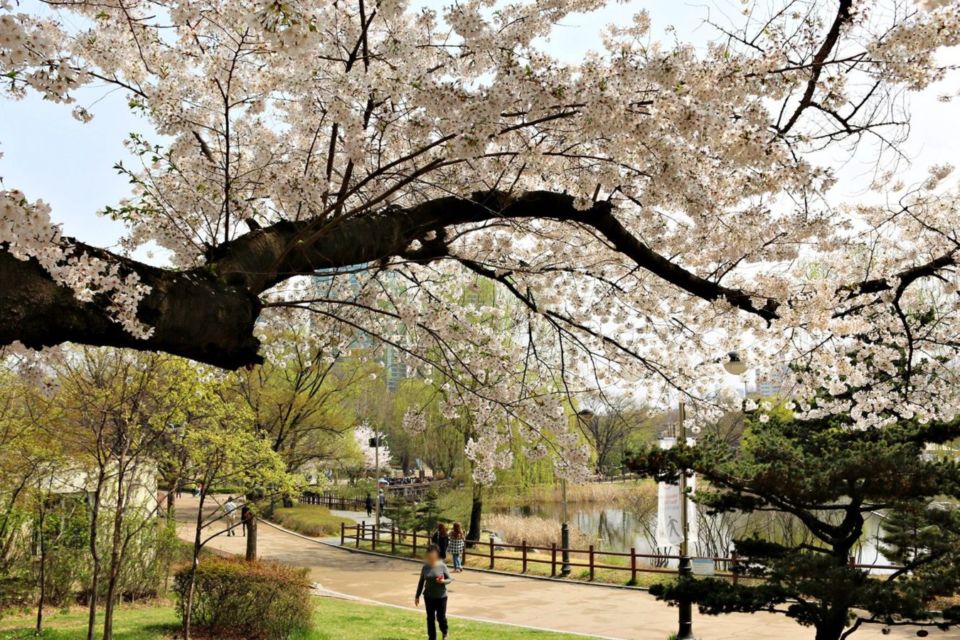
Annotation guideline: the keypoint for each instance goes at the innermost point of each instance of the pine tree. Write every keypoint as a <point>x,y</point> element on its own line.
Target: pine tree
<point>427,513</point>
<point>830,478</point>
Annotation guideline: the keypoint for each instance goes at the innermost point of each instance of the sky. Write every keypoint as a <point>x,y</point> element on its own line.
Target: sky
<point>49,155</point>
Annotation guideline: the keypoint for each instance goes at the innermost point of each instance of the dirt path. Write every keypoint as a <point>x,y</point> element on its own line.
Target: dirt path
<point>617,614</point>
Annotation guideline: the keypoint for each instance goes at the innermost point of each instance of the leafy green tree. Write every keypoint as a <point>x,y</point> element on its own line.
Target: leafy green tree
<point>301,398</point>
<point>227,450</point>
<point>829,478</point>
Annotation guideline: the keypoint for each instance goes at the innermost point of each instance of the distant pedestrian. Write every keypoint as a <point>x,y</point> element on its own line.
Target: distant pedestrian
<point>178,489</point>
<point>369,504</point>
<point>383,501</point>
<point>230,511</point>
<point>441,539</point>
<point>197,489</point>
<point>434,578</point>
<point>458,543</point>
<point>246,518</point>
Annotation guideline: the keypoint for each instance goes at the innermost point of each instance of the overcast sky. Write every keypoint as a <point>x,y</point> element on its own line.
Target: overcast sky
<point>51,156</point>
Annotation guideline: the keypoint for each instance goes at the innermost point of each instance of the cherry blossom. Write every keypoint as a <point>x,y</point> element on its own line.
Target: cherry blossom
<point>523,230</point>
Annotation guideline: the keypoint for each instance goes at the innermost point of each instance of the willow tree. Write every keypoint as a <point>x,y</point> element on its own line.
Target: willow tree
<point>647,205</point>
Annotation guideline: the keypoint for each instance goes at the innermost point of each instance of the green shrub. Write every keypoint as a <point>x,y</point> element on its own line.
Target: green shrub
<point>238,599</point>
<point>310,520</point>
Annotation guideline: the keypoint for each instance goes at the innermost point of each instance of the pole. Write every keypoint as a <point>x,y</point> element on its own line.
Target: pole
<point>376,457</point>
<point>685,630</point>
<point>251,551</point>
<point>564,532</point>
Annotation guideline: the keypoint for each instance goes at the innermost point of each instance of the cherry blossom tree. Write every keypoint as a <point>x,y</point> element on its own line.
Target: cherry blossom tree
<point>363,162</point>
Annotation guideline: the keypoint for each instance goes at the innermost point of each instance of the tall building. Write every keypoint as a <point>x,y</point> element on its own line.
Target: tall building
<point>388,356</point>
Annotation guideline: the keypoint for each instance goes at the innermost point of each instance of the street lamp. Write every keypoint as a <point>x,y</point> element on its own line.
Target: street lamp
<point>565,567</point>
<point>733,365</point>
<point>685,568</point>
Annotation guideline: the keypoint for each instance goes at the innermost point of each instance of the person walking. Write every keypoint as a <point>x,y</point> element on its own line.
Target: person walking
<point>434,578</point>
<point>246,518</point>
<point>458,543</point>
<point>230,511</point>
<point>383,501</point>
<point>441,539</point>
<point>369,504</point>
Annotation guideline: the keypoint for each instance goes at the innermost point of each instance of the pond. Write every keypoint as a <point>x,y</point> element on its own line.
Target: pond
<point>617,529</point>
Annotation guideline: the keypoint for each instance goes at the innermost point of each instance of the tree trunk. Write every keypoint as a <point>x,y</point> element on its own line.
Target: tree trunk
<point>833,624</point>
<point>116,556</point>
<point>197,545</point>
<point>476,514</point>
<point>94,556</point>
<point>251,527</point>
<point>43,565</point>
<point>208,313</point>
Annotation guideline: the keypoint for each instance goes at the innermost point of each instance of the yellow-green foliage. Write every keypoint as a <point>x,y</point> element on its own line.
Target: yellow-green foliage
<point>310,520</point>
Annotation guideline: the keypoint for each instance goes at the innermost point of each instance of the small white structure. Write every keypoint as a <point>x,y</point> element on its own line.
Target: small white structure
<point>139,485</point>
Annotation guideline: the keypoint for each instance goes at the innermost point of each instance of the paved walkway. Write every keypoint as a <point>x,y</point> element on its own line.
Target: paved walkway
<point>360,516</point>
<point>615,614</point>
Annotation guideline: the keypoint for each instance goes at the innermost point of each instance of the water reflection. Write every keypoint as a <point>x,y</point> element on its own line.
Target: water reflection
<point>617,529</point>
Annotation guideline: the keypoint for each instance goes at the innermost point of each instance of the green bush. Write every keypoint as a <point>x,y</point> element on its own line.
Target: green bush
<point>238,599</point>
<point>310,520</point>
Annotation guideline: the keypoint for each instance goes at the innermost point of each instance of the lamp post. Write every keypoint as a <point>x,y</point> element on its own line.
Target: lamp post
<point>685,607</point>
<point>565,567</point>
<point>376,464</point>
<point>733,365</point>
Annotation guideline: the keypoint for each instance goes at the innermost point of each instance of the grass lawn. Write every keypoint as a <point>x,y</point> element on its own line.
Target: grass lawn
<point>135,622</point>
<point>334,620</point>
<point>310,520</point>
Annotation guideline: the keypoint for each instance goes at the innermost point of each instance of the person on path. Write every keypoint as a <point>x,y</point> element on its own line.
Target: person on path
<point>230,511</point>
<point>457,544</point>
<point>369,505</point>
<point>434,578</point>
<point>441,539</point>
<point>383,501</point>
<point>246,518</point>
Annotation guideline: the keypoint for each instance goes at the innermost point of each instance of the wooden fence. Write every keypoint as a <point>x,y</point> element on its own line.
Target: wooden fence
<point>333,502</point>
<point>391,540</point>
<point>592,559</point>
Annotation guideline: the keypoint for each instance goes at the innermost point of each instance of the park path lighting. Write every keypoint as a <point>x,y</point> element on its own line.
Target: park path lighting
<point>685,567</point>
<point>565,566</point>
<point>735,366</point>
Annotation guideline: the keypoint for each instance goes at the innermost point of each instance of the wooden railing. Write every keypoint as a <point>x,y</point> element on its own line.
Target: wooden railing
<point>394,541</point>
<point>333,502</point>
<point>391,540</point>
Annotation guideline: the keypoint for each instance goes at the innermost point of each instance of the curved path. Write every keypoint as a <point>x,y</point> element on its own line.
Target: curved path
<point>595,611</point>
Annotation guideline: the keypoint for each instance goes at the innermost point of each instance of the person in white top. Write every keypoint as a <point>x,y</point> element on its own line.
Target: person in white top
<point>230,511</point>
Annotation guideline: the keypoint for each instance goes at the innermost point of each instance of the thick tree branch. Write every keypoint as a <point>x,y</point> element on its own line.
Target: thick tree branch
<point>208,313</point>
